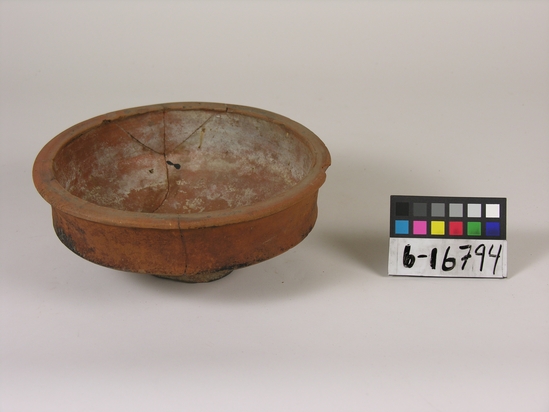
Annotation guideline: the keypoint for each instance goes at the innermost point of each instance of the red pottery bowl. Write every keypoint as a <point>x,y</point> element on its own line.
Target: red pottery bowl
<point>186,191</point>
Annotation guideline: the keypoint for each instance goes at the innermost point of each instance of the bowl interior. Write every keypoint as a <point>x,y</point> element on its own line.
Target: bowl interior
<point>182,161</point>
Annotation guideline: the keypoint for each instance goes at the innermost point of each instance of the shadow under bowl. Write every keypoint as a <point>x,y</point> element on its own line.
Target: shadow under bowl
<point>185,191</point>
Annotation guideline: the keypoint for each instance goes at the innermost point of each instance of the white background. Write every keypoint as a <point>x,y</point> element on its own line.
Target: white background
<point>422,98</point>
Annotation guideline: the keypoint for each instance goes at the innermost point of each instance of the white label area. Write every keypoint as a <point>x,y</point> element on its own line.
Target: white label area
<point>470,258</point>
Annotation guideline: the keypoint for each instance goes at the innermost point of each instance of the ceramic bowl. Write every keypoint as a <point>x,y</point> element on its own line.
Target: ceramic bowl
<point>186,191</point>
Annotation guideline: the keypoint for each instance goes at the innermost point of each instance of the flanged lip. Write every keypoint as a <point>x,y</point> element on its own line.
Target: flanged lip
<point>55,194</point>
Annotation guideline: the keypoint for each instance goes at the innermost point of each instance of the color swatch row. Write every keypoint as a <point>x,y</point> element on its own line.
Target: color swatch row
<point>437,209</point>
<point>441,228</point>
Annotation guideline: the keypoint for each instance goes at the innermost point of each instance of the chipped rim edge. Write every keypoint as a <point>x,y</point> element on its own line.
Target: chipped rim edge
<point>59,198</point>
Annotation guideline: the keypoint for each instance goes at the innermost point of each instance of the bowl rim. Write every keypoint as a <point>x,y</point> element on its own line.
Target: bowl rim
<point>59,198</point>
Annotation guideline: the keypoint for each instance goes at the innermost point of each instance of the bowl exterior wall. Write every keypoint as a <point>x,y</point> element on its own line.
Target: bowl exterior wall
<point>192,255</point>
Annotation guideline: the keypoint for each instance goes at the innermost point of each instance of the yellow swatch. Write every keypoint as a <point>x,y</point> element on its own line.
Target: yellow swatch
<point>437,227</point>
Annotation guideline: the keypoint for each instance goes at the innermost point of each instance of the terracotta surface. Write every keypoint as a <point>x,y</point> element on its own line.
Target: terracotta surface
<point>187,191</point>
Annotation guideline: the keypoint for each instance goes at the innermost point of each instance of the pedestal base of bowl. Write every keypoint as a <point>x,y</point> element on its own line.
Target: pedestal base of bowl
<point>202,278</point>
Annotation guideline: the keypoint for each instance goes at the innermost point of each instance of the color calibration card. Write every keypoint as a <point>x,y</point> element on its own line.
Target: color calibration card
<point>448,237</point>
